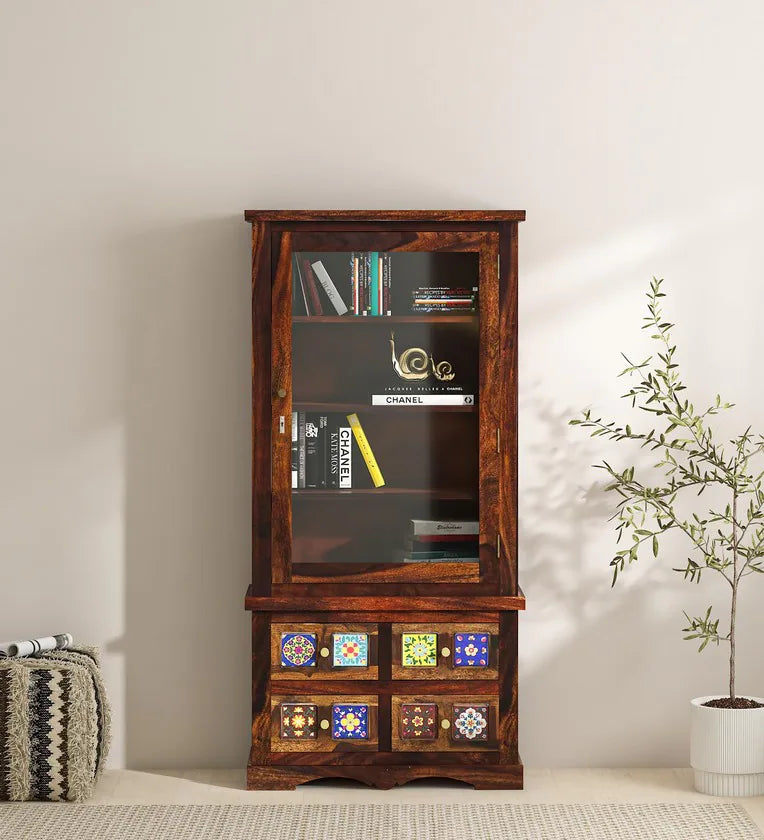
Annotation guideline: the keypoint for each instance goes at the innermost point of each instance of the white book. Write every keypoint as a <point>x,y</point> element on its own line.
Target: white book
<point>346,457</point>
<point>422,399</point>
<point>427,527</point>
<point>331,290</point>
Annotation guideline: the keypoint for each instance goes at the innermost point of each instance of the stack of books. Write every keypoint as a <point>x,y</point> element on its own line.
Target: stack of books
<point>370,277</point>
<point>442,541</point>
<point>322,452</point>
<point>308,277</point>
<point>444,299</point>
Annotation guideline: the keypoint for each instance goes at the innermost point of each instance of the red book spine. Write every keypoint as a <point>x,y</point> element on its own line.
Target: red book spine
<point>312,289</point>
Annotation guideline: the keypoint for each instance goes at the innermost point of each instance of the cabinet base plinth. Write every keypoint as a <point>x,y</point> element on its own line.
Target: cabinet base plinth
<point>488,777</point>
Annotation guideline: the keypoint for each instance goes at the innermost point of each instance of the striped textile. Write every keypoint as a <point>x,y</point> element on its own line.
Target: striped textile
<point>55,725</point>
<point>28,647</point>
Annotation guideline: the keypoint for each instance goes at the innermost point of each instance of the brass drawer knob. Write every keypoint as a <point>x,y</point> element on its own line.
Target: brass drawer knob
<point>324,724</point>
<point>445,652</point>
<point>445,723</point>
<point>324,652</point>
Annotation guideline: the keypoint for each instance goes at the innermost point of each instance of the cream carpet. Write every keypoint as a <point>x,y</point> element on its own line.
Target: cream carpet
<point>61,821</point>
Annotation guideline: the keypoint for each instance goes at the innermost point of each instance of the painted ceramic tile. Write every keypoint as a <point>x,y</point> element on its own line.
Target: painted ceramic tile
<point>350,721</point>
<point>298,650</point>
<point>351,649</point>
<point>419,721</point>
<point>298,721</point>
<point>471,649</point>
<point>470,722</point>
<point>419,650</point>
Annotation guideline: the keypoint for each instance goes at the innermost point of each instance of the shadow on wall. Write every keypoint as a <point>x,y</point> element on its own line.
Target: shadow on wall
<point>599,666</point>
<point>187,494</point>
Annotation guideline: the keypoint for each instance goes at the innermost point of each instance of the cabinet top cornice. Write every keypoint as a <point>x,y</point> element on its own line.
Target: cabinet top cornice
<point>384,215</point>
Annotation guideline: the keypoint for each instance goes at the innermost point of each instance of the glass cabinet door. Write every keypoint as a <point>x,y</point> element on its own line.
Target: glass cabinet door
<point>384,390</point>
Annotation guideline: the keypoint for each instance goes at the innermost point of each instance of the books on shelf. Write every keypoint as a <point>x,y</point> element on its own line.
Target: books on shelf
<point>444,299</point>
<point>322,453</point>
<point>429,527</point>
<point>359,283</point>
<point>441,541</point>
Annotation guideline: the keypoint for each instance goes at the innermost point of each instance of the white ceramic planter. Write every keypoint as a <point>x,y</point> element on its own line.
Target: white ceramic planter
<point>727,749</point>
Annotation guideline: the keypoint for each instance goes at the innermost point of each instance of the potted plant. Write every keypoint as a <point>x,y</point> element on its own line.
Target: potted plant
<point>727,539</point>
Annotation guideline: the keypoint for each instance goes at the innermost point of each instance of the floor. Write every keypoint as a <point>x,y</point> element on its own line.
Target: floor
<point>541,786</point>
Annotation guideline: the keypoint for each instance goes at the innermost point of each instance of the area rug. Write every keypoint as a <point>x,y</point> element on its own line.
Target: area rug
<point>36,821</point>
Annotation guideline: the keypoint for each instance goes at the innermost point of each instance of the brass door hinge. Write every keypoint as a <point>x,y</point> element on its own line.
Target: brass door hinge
<point>498,440</point>
<point>498,545</point>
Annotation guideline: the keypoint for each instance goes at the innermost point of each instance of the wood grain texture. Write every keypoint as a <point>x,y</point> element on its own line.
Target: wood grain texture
<point>323,741</point>
<point>508,498</point>
<point>483,777</point>
<point>389,757</point>
<point>386,603</point>
<point>384,215</point>
<point>281,443</point>
<point>378,616</point>
<point>390,240</point>
<point>261,688</point>
<point>323,669</point>
<point>384,572</point>
<point>508,691</point>
<point>444,670</point>
<point>261,413</point>
<point>490,409</point>
<point>444,742</point>
<point>381,687</point>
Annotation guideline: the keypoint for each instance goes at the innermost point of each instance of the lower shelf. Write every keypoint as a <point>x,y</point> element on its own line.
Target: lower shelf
<point>484,777</point>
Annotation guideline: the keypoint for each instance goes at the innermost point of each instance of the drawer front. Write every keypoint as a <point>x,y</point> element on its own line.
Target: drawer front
<point>321,723</point>
<point>324,651</point>
<point>468,650</point>
<point>435,723</point>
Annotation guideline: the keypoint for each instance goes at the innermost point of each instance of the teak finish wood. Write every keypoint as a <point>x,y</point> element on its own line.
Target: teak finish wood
<point>416,216</point>
<point>383,599</point>
<point>444,741</point>
<point>323,669</point>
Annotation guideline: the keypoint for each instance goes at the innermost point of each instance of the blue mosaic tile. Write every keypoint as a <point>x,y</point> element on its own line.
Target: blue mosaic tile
<point>351,649</point>
<point>350,721</point>
<point>298,650</point>
<point>471,649</point>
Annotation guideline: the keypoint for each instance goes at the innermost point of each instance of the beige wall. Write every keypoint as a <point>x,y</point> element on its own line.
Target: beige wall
<point>135,133</point>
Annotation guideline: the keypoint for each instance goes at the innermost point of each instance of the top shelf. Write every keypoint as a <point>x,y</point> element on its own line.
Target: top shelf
<point>384,215</point>
<point>385,319</point>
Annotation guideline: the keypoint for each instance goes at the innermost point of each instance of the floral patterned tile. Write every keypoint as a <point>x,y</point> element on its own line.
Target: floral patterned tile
<point>419,650</point>
<point>351,649</point>
<point>471,649</point>
<point>298,650</point>
<point>470,722</point>
<point>298,721</point>
<point>419,721</point>
<point>350,721</point>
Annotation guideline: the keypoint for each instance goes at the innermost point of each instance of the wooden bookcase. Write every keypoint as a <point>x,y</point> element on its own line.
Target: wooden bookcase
<point>433,381</point>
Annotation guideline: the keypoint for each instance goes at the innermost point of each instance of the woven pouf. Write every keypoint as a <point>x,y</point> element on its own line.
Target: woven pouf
<point>54,725</point>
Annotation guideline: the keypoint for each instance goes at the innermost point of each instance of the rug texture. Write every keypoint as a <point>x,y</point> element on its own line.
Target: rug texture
<point>718,821</point>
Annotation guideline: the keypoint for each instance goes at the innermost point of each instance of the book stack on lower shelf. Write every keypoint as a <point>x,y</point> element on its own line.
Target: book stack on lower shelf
<point>441,541</point>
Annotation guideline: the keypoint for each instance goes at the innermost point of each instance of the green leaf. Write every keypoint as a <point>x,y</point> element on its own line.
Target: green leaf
<point>655,546</point>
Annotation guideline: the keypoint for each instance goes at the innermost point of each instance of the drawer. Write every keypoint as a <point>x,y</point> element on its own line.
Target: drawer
<point>321,723</point>
<point>425,723</point>
<point>324,651</point>
<point>467,650</point>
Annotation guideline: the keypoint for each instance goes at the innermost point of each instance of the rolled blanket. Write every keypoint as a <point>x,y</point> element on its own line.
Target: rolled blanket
<point>27,647</point>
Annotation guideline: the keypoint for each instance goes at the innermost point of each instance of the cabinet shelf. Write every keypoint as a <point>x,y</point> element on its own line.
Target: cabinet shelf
<point>385,319</point>
<point>441,495</point>
<point>345,408</point>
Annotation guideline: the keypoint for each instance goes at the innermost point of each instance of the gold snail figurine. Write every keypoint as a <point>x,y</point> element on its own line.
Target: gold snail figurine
<point>416,364</point>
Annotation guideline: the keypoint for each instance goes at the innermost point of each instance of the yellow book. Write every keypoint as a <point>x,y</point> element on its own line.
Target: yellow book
<point>368,455</point>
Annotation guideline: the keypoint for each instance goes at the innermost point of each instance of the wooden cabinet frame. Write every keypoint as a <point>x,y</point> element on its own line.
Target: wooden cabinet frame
<point>285,593</point>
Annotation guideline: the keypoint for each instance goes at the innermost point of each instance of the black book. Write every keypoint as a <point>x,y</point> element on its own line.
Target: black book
<point>295,453</point>
<point>301,449</point>
<point>312,451</point>
<point>323,449</point>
